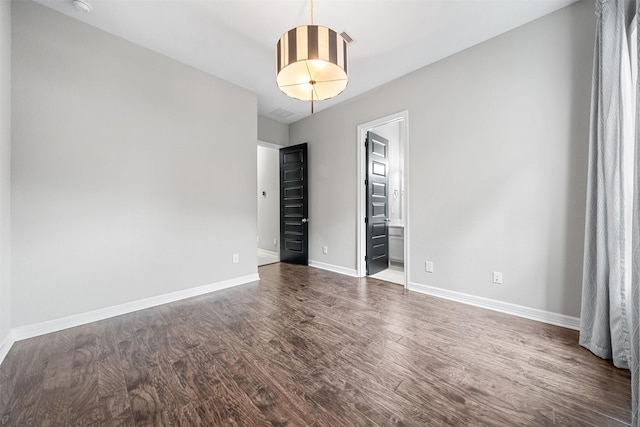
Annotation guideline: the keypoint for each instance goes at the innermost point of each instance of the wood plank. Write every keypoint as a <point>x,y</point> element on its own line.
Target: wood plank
<point>22,406</point>
<point>309,347</point>
<point>83,397</point>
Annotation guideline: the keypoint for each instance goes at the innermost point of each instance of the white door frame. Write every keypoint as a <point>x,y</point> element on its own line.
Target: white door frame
<point>361,248</point>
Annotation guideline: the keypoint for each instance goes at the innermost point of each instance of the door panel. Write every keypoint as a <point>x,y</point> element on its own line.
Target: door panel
<point>377,183</point>
<point>294,209</point>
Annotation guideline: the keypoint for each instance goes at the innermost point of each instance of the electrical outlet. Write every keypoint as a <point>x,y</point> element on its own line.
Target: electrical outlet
<point>236,258</point>
<point>325,250</point>
<point>497,277</point>
<point>428,266</point>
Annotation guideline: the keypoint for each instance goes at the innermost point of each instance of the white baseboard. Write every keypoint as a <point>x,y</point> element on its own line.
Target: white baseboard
<point>29,331</point>
<point>335,268</point>
<point>503,307</point>
<point>268,253</point>
<point>6,345</point>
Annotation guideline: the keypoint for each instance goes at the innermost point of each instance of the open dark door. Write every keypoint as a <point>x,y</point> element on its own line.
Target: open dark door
<point>294,210</point>
<point>377,220</point>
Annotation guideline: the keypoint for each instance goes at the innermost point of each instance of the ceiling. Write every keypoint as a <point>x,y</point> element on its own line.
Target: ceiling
<point>235,39</point>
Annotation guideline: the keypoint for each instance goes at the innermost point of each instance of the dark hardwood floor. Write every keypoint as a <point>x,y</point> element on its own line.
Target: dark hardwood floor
<point>309,347</point>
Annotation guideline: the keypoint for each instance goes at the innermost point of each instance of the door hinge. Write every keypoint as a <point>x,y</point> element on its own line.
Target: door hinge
<point>365,257</point>
<point>366,144</point>
<point>366,182</point>
<point>366,220</point>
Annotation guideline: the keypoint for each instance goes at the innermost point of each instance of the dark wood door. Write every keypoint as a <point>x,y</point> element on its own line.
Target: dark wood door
<point>294,209</point>
<point>377,183</point>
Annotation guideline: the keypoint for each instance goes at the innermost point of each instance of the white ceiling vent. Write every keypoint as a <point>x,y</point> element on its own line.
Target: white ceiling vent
<point>281,113</point>
<point>347,37</point>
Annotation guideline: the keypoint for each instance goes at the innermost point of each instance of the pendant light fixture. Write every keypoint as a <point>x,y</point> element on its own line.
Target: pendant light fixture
<point>311,63</point>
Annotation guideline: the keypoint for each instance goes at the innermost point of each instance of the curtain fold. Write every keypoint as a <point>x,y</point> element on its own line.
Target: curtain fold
<point>610,314</point>
<point>605,312</point>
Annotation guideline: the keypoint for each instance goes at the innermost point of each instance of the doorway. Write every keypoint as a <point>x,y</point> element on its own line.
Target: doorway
<point>268,203</point>
<point>393,128</point>
<point>294,204</point>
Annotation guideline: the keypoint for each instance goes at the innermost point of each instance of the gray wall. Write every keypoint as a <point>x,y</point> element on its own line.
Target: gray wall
<point>5,168</point>
<point>269,205</point>
<point>272,131</point>
<point>497,176</point>
<point>133,175</point>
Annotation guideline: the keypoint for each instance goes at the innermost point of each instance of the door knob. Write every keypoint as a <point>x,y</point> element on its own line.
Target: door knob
<point>304,220</point>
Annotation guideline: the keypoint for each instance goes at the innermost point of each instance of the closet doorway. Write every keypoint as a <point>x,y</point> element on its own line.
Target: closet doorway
<point>394,129</point>
<point>268,203</point>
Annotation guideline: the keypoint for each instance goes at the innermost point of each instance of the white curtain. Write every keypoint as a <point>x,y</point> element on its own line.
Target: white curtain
<point>610,295</point>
